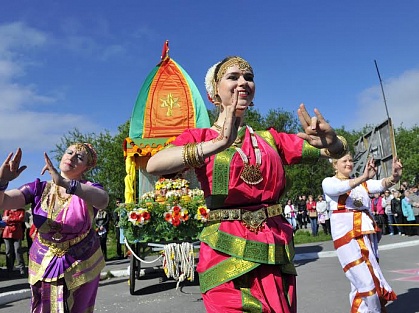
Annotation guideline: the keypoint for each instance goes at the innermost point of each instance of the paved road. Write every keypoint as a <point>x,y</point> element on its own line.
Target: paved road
<point>322,286</point>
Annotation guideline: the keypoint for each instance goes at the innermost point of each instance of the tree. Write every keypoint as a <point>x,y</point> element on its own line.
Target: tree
<point>110,169</point>
<point>407,145</point>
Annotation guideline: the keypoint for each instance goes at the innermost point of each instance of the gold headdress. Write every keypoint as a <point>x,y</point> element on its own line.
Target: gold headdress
<point>91,153</point>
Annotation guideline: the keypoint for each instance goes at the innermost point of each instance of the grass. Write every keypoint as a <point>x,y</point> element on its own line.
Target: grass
<point>304,236</point>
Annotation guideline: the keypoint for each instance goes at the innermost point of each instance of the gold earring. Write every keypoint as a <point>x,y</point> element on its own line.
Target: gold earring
<point>217,100</point>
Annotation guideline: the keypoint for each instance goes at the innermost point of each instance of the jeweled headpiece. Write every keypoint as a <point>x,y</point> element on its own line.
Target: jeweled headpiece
<point>91,153</point>
<point>218,70</point>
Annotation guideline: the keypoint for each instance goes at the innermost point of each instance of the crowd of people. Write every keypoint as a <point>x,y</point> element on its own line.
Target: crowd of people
<point>394,211</point>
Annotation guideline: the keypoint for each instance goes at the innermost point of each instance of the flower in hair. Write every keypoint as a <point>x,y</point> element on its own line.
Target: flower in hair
<point>210,82</point>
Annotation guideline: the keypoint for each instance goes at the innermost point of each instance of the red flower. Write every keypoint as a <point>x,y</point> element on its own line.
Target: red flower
<point>176,209</point>
<point>176,222</point>
<point>146,215</point>
<point>133,215</point>
<point>168,216</point>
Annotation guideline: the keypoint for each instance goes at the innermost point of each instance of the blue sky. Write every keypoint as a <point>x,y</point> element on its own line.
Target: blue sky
<point>66,64</point>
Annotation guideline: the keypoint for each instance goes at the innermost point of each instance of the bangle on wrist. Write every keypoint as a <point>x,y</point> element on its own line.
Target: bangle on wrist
<point>74,184</point>
<point>4,187</point>
<point>391,181</point>
<point>343,152</point>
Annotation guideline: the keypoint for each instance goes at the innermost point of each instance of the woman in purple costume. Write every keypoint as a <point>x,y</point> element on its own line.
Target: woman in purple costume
<point>65,259</point>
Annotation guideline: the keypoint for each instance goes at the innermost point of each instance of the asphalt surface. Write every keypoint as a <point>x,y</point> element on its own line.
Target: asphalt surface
<point>320,280</point>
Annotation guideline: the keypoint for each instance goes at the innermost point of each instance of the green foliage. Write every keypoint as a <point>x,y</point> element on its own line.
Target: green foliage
<point>282,121</point>
<point>407,145</point>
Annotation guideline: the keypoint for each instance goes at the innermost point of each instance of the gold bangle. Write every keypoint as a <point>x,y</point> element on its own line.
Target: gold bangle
<point>184,155</point>
<point>191,156</point>
<point>390,181</point>
<point>345,149</point>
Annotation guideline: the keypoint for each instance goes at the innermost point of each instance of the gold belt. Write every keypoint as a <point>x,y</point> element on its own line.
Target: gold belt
<point>61,248</point>
<point>253,220</point>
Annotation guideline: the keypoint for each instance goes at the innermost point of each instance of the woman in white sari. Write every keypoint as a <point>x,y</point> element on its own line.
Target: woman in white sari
<point>355,233</point>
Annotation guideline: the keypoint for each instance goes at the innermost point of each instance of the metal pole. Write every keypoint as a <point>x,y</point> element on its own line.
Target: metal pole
<point>382,89</point>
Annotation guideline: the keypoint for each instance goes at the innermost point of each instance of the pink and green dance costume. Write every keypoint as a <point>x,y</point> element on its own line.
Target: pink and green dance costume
<point>242,269</point>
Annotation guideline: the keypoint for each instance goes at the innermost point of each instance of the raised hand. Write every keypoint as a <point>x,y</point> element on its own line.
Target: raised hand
<point>397,168</point>
<point>56,177</point>
<point>317,132</point>
<point>370,169</point>
<point>228,133</point>
<point>10,169</point>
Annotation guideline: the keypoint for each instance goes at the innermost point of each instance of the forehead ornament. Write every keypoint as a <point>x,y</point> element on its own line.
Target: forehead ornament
<point>242,64</point>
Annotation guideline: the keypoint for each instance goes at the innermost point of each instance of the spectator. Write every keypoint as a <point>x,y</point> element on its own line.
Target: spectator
<point>13,236</point>
<point>2,226</point>
<point>414,201</point>
<point>396,209</point>
<point>102,223</point>
<point>312,213</point>
<point>403,187</point>
<point>119,252</point>
<point>28,225</point>
<point>323,214</point>
<point>302,212</point>
<point>378,211</point>
<point>408,213</point>
<point>290,214</point>
<point>387,210</point>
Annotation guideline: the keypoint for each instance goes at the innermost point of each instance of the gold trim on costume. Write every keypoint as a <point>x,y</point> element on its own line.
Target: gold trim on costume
<point>250,303</point>
<point>309,153</point>
<point>61,248</point>
<point>223,272</point>
<point>247,249</point>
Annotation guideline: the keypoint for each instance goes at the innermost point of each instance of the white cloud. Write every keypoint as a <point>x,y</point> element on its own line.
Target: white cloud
<point>16,36</point>
<point>402,98</point>
<point>27,118</point>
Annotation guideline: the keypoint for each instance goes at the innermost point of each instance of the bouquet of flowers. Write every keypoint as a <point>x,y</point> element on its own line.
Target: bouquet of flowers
<point>179,215</point>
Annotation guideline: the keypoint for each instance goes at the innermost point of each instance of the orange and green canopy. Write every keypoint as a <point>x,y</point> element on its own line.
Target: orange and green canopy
<point>168,103</point>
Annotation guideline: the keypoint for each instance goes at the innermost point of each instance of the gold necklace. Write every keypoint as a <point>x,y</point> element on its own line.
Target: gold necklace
<point>251,174</point>
<point>341,177</point>
<point>61,200</point>
<point>63,203</point>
